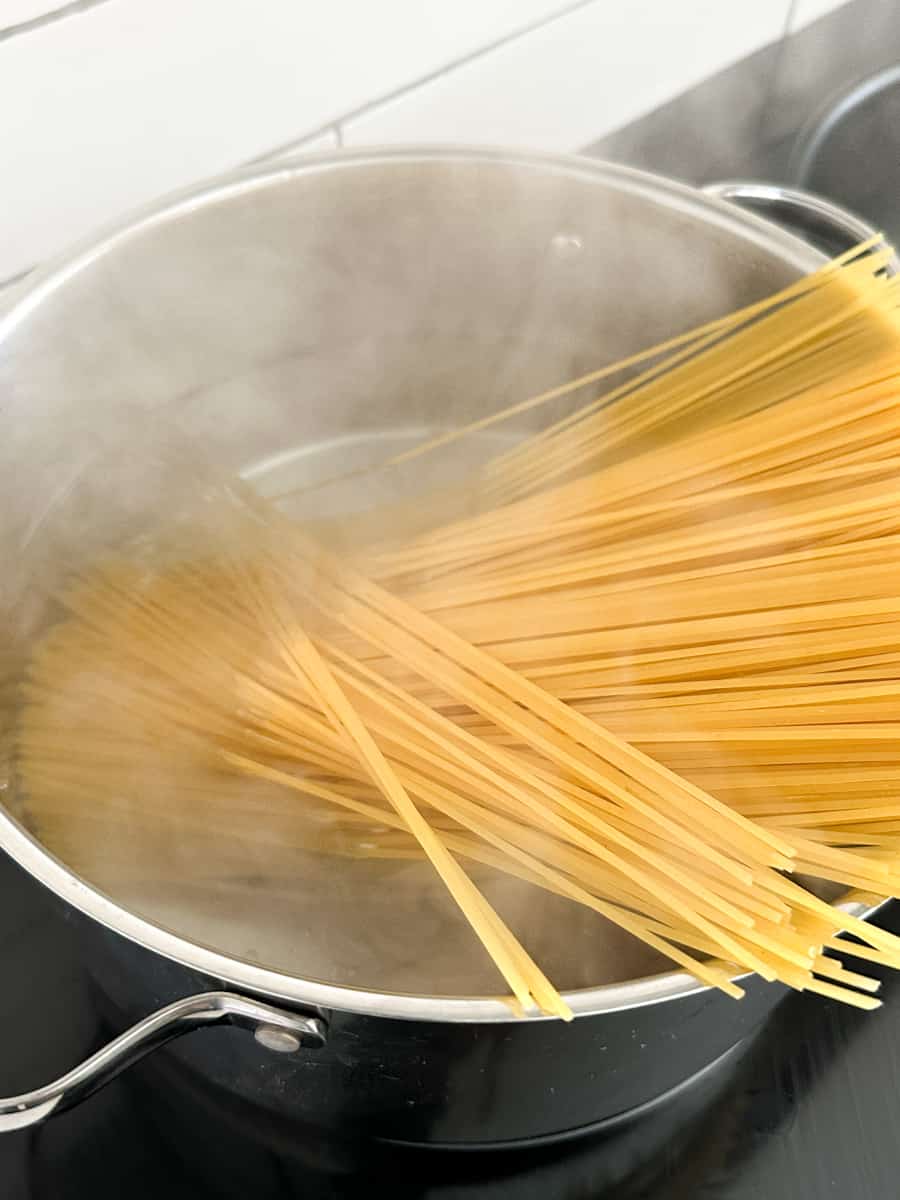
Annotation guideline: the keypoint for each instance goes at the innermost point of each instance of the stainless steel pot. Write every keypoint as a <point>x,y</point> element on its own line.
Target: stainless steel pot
<point>347,303</point>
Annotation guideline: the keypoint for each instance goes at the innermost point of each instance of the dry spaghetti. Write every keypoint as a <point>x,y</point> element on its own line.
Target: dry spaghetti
<point>655,673</point>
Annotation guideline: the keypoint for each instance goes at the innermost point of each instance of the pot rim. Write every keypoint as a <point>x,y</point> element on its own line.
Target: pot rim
<point>280,985</point>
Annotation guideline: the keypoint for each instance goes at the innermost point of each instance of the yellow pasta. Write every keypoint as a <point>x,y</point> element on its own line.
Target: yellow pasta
<point>647,660</point>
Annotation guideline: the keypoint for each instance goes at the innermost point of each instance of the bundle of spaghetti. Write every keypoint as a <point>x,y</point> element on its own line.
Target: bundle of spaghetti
<point>720,560</point>
<point>714,910</point>
<point>643,676</point>
<point>52,763</point>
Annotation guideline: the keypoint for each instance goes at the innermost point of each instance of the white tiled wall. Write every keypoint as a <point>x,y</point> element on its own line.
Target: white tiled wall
<point>576,79</point>
<point>120,101</point>
<point>807,11</point>
<point>17,12</point>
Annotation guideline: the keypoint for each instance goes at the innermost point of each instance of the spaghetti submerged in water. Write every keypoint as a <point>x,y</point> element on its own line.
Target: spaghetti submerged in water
<point>655,671</point>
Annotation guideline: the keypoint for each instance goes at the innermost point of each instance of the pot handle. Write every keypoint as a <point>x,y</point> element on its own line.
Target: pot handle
<point>274,1028</point>
<point>814,218</point>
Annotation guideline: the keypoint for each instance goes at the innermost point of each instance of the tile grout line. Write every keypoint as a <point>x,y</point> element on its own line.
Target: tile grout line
<point>337,123</point>
<point>49,18</point>
<point>464,59</point>
<point>789,19</point>
<point>13,279</point>
<point>775,68</point>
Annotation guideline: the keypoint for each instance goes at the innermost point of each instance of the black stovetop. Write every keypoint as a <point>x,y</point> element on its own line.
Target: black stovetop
<point>809,1109</point>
